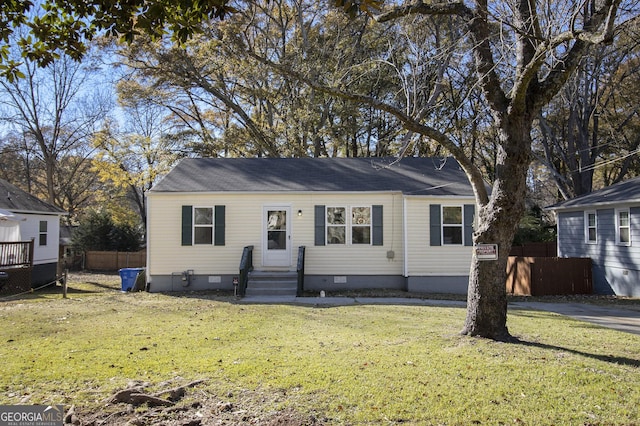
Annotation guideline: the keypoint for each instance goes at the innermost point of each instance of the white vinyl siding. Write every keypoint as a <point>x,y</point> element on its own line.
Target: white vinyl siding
<point>355,259</point>
<point>425,259</point>
<point>32,229</point>
<point>244,227</point>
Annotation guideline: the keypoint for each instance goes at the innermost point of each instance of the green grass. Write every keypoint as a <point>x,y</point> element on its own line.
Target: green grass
<point>353,364</point>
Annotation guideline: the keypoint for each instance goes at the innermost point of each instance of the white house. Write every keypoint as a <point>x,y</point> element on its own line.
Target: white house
<point>26,220</point>
<point>364,223</point>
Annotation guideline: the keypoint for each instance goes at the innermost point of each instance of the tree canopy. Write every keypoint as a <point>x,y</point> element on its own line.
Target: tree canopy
<point>97,231</point>
<point>46,28</point>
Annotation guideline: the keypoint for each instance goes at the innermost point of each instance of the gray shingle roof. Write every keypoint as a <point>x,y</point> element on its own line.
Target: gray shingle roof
<point>419,176</point>
<point>627,191</point>
<point>15,199</point>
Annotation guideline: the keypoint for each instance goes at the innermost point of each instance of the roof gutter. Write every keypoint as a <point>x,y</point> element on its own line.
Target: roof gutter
<point>591,205</point>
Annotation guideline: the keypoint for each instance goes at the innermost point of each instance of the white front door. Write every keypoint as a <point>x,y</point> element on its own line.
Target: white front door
<point>276,236</point>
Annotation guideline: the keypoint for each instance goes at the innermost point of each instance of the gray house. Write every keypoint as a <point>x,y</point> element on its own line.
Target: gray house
<point>605,226</point>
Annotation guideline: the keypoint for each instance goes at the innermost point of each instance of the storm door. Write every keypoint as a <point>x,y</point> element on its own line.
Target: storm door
<point>276,240</point>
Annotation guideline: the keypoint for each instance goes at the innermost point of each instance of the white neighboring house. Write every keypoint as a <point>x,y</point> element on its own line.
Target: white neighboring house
<point>363,223</point>
<point>28,220</point>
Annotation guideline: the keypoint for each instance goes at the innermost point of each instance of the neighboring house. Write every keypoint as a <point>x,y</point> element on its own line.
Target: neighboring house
<point>70,258</point>
<point>34,220</point>
<point>605,226</point>
<point>365,223</point>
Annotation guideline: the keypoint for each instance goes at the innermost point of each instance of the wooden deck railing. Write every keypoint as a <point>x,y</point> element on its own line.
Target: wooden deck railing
<point>16,254</point>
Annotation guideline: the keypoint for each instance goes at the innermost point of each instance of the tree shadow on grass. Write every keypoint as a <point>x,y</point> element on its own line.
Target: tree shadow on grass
<point>533,314</point>
<point>97,284</point>
<point>620,360</point>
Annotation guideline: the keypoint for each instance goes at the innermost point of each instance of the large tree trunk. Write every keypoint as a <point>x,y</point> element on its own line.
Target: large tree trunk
<point>496,223</point>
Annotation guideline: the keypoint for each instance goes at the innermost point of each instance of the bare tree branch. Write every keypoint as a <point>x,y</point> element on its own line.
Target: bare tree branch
<point>420,8</point>
<point>598,29</point>
<point>478,24</point>
<point>411,124</point>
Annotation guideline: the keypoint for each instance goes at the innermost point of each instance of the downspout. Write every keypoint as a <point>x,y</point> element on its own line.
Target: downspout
<point>405,243</point>
<point>147,247</point>
<point>556,216</point>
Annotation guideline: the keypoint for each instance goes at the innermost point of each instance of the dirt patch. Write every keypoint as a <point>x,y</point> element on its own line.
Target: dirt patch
<point>189,404</point>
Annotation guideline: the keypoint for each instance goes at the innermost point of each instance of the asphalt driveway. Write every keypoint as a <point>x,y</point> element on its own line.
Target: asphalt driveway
<point>619,318</point>
<point>616,317</point>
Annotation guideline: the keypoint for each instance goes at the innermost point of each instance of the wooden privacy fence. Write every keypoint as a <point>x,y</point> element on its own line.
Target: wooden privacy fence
<point>114,260</point>
<point>545,276</point>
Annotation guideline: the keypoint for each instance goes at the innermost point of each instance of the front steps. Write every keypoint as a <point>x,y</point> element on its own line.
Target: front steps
<point>268,283</point>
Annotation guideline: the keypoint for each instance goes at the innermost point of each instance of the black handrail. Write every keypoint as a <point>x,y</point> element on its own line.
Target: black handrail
<point>246,266</point>
<point>300,289</point>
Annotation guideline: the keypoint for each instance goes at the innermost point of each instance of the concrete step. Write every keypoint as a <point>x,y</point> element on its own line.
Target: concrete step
<point>268,275</point>
<point>270,283</point>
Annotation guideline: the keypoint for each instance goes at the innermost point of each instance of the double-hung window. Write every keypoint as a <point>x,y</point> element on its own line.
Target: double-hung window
<point>202,225</point>
<point>623,227</point>
<point>452,225</point>
<point>42,240</point>
<point>348,224</point>
<point>591,227</point>
<point>336,225</point>
<point>360,225</point>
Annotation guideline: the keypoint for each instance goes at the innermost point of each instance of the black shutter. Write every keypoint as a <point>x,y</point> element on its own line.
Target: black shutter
<point>469,211</point>
<point>187,225</point>
<point>376,238</point>
<point>319,225</point>
<point>434,225</point>
<point>219,227</point>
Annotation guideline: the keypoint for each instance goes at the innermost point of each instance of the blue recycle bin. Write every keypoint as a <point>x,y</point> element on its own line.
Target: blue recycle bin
<point>128,277</point>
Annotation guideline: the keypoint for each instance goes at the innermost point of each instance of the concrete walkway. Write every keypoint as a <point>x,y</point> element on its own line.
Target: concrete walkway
<point>619,318</point>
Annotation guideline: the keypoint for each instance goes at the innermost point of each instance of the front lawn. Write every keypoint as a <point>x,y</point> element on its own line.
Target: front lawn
<point>327,365</point>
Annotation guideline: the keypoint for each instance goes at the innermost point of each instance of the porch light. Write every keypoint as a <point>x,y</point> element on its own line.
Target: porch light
<point>299,212</point>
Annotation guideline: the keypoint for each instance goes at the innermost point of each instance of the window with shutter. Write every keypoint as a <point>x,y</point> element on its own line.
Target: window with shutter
<point>203,225</point>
